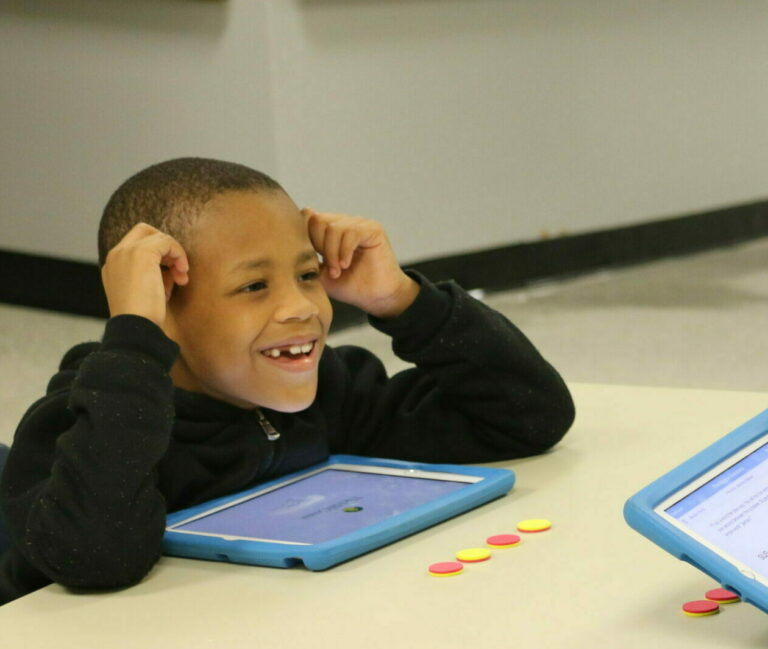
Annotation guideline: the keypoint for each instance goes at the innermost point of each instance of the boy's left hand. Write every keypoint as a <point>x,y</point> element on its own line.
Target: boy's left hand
<point>359,265</point>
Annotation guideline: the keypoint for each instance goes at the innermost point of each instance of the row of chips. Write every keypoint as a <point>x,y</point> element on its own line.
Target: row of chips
<point>476,555</point>
<point>711,604</point>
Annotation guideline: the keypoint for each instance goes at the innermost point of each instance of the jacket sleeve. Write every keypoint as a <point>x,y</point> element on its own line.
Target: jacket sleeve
<point>79,489</point>
<point>479,391</point>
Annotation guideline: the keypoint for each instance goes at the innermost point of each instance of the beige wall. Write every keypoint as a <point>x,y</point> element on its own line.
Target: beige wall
<point>91,91</point>
<point>460,124</point>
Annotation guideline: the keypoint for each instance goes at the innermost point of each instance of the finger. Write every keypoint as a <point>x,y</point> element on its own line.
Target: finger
<point>177,266</point>
<point>317,229</point>
<point>331,244</point>
<point>134,235</point>
<point>371,234</point>
<point>325,217</point>
<point>172,275</point>
<point>322,218</point>
<point>180,268</point>
<point>141,230</point>
<point>173,262</point>
<point>179,277</point>
<point>168,282</point>
<point>178,271</point>
<point>170,251</point>
<point>349,243</point>
<point>145,237</point>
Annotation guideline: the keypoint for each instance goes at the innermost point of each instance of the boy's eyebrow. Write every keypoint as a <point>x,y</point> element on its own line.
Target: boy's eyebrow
<point>252,264</point>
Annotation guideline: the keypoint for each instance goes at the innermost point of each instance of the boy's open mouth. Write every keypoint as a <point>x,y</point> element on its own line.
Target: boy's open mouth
<point>290,352</point>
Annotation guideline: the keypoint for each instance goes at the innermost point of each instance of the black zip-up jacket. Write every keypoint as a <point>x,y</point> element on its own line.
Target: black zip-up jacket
<point>96,463</point>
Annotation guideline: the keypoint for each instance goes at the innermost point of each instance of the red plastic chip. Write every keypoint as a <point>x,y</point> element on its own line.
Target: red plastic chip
<point>700,607</point>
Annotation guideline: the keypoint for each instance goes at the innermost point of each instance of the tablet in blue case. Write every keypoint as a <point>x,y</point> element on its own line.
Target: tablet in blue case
<point>712,511</point>
<point>330,512</point>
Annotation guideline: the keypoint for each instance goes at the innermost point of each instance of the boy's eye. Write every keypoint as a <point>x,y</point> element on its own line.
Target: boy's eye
<point>253,287</point>
<point>309,276</point>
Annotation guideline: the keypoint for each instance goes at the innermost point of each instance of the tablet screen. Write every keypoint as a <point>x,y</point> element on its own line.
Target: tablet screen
<point>320,507</point>
<point>730,511</point>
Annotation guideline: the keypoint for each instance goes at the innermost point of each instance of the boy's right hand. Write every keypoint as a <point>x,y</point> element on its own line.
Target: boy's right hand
<point>140,272</point>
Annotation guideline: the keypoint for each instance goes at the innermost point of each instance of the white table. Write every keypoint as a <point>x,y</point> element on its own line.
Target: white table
<point>588,582</point>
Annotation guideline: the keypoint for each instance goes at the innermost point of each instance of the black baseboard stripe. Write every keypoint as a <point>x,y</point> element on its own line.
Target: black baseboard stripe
<point>53,284</point>
<point>75,287</point>
<point>513,266</point>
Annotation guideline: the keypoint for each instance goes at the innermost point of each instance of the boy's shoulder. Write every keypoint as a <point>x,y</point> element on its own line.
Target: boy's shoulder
<point>69,365</point>
<point>50,414</point>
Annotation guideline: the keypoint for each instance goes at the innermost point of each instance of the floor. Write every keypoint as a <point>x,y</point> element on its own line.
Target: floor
<point>697,321</point>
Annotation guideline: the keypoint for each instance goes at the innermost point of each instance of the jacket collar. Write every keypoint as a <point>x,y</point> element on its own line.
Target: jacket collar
<point>201,407</point>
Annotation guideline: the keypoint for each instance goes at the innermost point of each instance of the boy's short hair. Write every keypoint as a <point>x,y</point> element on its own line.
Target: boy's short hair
<point>171,194</point>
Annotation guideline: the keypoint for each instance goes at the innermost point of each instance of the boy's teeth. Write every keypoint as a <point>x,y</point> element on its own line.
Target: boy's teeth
<point>295,350</point>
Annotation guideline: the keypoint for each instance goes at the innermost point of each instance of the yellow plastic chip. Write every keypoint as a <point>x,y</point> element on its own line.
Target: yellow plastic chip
<point>534,525</point>
<point>472,555</point>
<point>700,614</point>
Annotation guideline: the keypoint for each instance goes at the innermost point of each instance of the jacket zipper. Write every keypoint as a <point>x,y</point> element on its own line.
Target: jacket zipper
<point>269,429</point>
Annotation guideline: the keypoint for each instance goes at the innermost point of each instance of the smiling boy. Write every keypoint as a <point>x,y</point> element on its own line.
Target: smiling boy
<point>213,373</point>
<point>253,315</point>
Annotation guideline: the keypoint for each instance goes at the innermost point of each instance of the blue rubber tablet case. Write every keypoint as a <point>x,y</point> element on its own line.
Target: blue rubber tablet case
<point>330,512</point>
<point>712,511</point>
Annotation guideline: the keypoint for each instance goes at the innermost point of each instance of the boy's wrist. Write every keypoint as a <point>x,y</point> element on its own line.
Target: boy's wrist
<point>421,321</point>
<point>394,305</point>
<point>137,333</point>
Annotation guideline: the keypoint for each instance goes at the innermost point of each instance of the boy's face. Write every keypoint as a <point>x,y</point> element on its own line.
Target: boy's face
<point>253,319</point>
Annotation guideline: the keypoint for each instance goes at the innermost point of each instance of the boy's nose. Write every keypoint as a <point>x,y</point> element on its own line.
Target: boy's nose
<point>294,305</point>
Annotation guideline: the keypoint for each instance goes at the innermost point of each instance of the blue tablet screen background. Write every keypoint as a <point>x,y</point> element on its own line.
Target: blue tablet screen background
<point>731,510</point>
<point>323,506</point>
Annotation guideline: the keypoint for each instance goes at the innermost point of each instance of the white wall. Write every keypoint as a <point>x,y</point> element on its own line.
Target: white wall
<point>92,91</point>
<point>460,124</point>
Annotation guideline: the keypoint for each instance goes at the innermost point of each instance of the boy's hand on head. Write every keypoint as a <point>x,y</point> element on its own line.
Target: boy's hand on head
<point>359,265</point>
<point>140,272</point>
